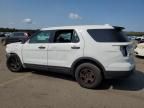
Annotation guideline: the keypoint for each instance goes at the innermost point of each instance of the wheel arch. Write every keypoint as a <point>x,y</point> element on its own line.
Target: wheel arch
<point>81,60</point>
<point>16,57</point>
<point>14,54</point>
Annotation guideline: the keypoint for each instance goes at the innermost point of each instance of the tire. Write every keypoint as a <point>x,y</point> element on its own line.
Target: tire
<point>14,64</point>
<point>88,75</point>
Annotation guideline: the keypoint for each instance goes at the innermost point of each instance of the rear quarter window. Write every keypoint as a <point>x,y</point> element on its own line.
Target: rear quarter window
<point>107,35</point>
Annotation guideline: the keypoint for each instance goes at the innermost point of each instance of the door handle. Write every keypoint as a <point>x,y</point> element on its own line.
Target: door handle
<point>41,47</point>
<point>75,47</point>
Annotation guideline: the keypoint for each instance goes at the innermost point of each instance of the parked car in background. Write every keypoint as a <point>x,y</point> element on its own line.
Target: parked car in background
<point>139,51</point>
<point>131,38</point>
<point>8,33</point>
<point>141,41</point>
<point>2,35</point>
<point>90,53</point>
<point>139,38</point>
<point>16,37</point>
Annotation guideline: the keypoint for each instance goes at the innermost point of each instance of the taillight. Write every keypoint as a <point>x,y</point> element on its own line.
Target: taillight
<point>124,50</point>
<point>127,50</point>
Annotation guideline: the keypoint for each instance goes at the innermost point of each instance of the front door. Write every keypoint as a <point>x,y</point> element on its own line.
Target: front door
<point>35,50</point>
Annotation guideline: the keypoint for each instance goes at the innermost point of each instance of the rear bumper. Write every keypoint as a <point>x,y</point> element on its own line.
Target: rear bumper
<point>119,71</point>
<point>118,74</point>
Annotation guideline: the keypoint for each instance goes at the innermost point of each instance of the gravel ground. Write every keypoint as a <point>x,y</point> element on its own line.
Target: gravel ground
<point>50,90</point>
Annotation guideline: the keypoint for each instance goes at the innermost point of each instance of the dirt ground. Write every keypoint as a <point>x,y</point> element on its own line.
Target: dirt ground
<point>50,90</point>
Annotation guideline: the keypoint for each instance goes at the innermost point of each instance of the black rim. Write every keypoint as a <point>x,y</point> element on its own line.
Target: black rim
<point>14,63</point>
<point>87,76</point>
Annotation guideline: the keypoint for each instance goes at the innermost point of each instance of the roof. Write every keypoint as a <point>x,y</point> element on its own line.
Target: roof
<point>106,26</point>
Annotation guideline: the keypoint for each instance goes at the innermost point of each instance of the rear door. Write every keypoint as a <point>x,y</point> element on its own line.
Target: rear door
<point>66,47</point>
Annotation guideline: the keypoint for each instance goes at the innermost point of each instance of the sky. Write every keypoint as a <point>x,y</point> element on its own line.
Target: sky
<point>35,14</point>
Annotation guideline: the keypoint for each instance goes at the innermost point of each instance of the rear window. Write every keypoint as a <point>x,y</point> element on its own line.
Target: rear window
<point>107,35</point>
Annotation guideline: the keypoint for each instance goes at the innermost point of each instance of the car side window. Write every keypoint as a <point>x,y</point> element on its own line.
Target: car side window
<point>65,36</point>
<point>41,37</point>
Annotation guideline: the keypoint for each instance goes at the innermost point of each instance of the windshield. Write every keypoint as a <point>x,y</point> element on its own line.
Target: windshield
<point>107,35</point>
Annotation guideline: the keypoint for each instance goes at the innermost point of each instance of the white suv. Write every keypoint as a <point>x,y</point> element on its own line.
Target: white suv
<point>89,52</point>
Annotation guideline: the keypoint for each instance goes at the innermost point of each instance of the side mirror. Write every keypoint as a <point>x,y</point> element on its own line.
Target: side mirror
<point>24,40</point>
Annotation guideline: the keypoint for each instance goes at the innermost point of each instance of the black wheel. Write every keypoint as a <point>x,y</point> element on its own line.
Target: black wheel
<point>14,63</point>
<point>88,75</point>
